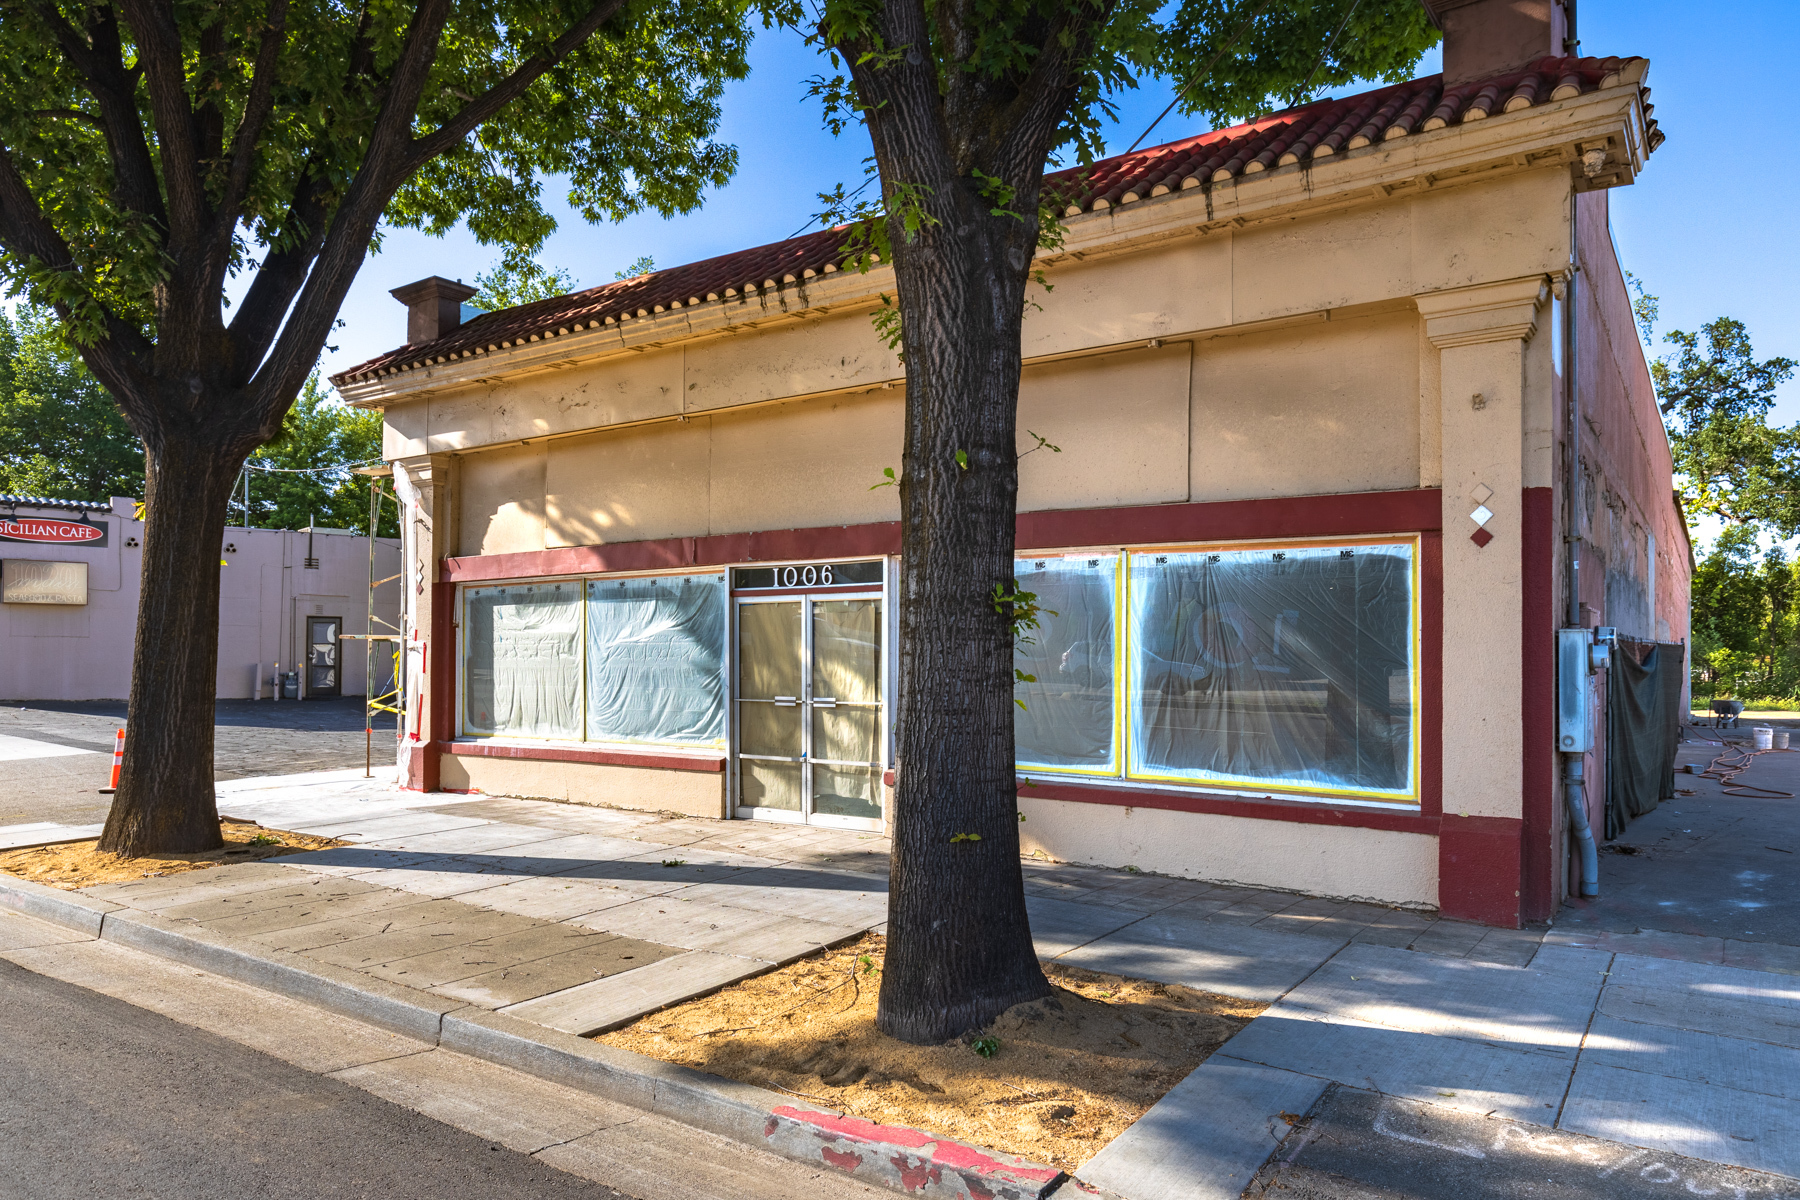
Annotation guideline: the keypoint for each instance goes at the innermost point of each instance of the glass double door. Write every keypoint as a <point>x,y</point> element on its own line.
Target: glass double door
<point>810,728</point>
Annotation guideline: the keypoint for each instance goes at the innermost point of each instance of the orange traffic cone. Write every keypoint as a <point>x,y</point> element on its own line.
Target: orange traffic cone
<point>118,762</point>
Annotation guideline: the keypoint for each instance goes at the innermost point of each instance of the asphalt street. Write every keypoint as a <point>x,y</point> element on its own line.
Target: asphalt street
<point>249,738</point>
<point>105,1099</point>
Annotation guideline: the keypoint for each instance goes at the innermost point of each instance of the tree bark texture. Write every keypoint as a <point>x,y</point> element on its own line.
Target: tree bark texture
<point>165,802</point>
<point>952,149</point>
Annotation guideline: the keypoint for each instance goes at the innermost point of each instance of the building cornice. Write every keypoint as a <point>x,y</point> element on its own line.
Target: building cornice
<point>1598,138</point>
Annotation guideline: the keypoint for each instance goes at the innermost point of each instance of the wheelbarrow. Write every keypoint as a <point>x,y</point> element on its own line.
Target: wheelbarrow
<point>1725,713</point>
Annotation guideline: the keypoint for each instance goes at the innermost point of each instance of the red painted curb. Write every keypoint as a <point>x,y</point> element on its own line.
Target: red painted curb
<point>904,1159</point>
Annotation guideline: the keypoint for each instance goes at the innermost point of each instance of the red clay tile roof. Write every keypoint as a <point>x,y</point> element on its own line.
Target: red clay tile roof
<point>1311,132</point>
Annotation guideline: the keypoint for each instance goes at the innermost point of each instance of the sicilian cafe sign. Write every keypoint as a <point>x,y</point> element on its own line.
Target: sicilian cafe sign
<point>54,531</point>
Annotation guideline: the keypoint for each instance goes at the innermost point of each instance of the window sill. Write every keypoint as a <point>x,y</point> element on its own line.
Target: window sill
<point>1400,818</point>
<point>661,758</point>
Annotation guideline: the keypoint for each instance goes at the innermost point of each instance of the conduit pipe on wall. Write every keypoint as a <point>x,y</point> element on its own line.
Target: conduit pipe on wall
<point>1574,783</point>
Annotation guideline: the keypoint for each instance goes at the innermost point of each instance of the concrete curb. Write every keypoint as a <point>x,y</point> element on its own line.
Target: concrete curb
<point>892,1156</point>
<point>352,994</point>
<point>55,905</point>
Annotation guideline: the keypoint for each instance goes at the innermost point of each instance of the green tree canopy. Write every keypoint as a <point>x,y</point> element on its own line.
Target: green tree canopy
<point>154,151</point>
<point>61,435</point>
<point>1716,398</point>
<point>515,281</point>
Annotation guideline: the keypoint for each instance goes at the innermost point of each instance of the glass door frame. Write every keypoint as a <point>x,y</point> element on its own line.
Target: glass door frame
<point>806,598</point>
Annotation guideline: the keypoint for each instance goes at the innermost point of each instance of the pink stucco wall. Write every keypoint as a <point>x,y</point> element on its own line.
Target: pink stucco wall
<point>55,652</point>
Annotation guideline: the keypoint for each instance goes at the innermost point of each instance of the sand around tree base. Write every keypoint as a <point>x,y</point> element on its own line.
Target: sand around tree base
<point>75,865</point>
<point>1070,1073</point>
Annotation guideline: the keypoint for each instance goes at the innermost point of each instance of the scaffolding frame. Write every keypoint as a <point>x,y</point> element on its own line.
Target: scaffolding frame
<point>394,699</point>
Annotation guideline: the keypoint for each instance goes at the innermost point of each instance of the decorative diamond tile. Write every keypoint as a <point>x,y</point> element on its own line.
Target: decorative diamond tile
<point>1482,493</point>
<point>1482,515</point>
<point>1481,537</point>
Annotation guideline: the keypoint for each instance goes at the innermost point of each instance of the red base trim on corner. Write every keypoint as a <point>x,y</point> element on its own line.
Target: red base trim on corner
<point>1478,869</point>
<point>713,763</point>
<point>1272,808</point>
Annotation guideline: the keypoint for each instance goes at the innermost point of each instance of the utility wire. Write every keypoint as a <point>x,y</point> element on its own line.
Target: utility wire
<point>1329,46</point>
<point>1201,73</point>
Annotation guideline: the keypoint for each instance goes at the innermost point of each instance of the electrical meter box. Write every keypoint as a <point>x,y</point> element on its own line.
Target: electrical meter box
<point>1574,695</point>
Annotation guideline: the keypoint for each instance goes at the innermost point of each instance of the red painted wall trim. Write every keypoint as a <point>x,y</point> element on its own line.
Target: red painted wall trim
<point>1232,520</point>
<point>1537,888</point>
<point>1478,869</point>
<point>1270,809</point>
<point>1431,673</point>
<point>440,678</point>
<point>1293,516</point>
<point>613,758</point>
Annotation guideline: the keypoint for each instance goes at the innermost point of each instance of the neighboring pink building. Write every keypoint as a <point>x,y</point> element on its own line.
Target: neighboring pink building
<point>66,631</point>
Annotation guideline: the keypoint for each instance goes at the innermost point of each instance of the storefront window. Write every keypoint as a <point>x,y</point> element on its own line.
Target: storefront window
<point>522,666</point>
<point>1274,667</point>
<point>655,649</point>
<point>1068,715</point>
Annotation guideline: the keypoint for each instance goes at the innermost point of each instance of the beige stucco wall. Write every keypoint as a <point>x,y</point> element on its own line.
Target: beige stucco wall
<point>1344,862</point>
<point>691,793</point>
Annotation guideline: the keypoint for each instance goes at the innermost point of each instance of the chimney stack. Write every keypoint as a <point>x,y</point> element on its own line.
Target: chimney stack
<point>433,307</point>
<point>1485,38</point>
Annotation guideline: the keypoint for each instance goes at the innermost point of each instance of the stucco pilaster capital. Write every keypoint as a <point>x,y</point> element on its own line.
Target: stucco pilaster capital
<point>1486,312</point>
<point>425,469</point>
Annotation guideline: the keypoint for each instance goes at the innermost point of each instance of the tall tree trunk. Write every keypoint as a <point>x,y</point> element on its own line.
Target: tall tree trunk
<point>959,944</point>
<point>165,801</point>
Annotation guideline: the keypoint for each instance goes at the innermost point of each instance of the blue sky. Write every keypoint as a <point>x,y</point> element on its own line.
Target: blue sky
<point>1707,227</point>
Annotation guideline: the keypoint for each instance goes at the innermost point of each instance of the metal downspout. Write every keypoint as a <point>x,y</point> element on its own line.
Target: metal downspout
<point>1574,783</point>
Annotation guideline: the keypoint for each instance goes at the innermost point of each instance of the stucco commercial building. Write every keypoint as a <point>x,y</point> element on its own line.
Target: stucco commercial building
<point>1307,537</point>
<point>69,581</point>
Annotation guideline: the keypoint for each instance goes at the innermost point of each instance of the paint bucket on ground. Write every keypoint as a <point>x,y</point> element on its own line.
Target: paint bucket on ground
<point>1781,739</point>
<point>1764,737</point>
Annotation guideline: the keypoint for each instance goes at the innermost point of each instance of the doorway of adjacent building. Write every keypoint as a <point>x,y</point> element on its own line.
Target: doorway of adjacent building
<point>322,667</point>
<point>811,726</point>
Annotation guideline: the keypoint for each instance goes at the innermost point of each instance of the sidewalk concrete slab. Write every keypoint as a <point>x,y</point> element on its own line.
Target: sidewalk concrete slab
<point>45,833</point>
<point>314,912</point>
<point>1517,1084</point>
<point>374,949</point>
<point>1763,956</point>
<point>363,829</point>
<point>1178,945</point>
<point>608,1003</point>
<point>552,897</point>
<point>299,890</point>
<point>466,839</point>
<point>1207,1137</point>
<point>1734,1062</point>
<point>1059,926</point>
<point>442,964</point>
<point>601,958</point>
<point>1699,1120</point>
<point>1401,989</point>
<point>190,886</point>
<point>815,895</point>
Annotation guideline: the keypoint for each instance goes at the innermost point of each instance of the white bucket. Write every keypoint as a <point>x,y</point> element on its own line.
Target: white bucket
<point>1765,737</point>
<point>1781,739</point>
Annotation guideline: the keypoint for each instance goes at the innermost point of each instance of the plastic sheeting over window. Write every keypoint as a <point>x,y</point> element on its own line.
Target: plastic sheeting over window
<point>1274,667</point>
<point>522,668</point>
<point>655,649</point>
<point>1068,719</point>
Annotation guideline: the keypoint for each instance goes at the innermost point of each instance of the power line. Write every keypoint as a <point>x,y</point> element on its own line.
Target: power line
<point>1198,75</point>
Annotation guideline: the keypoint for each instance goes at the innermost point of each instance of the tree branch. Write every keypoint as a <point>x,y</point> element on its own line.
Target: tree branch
<point>99,57</point>
<point>453,131</point>
<point>257,105</point>
<point>160,54</point>
<point>118,360</point>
